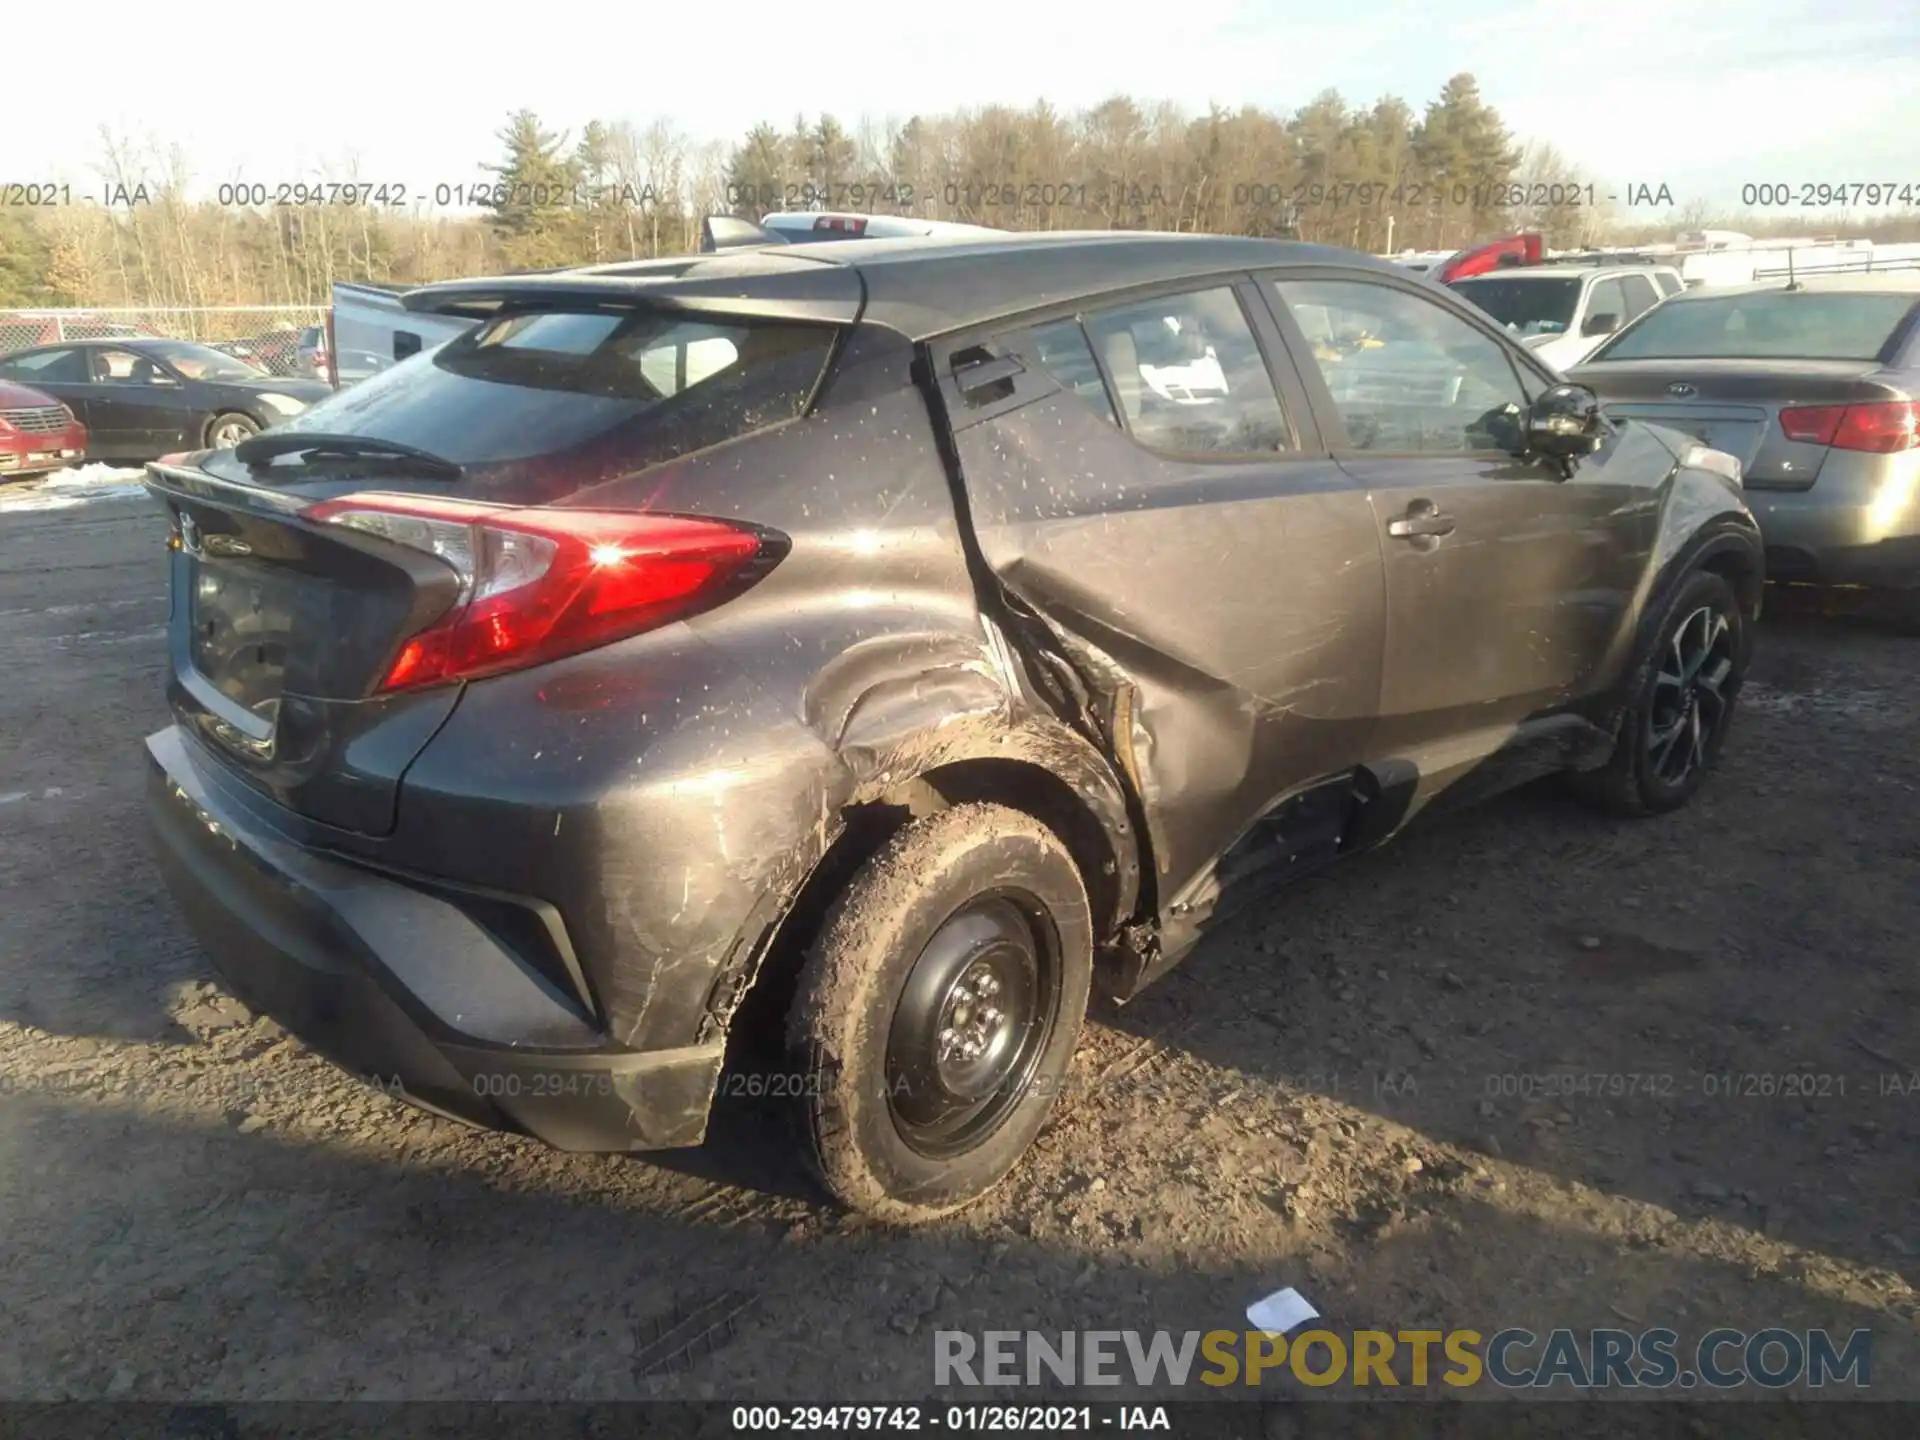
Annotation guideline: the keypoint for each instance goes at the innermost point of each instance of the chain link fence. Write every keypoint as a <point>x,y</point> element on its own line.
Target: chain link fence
<point>280,339</point>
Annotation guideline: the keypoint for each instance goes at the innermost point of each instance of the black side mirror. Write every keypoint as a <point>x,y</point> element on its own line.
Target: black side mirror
<point>1565,422</point>
<point>1605,323</point>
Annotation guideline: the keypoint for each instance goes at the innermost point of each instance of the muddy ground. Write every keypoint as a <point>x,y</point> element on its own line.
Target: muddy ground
<point>1345,1092</point>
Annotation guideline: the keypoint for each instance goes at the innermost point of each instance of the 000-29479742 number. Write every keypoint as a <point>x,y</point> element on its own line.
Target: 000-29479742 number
<point>1013,1419</point>
<point>1871,193</point>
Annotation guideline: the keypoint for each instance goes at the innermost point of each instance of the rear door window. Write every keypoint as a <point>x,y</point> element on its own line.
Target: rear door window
<point>1189,375</point>
<point>618,390</point>
<point>1608,297</point>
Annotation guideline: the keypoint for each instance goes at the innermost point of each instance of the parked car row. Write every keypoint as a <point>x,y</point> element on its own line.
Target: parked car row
<point>139,398</point>
<point>1814,387</point>
<point>1809,377</point>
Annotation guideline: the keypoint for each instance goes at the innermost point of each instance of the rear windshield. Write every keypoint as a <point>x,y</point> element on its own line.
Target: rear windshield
<point>1527,307</point>
<point>613,390</point>
<point>1764,325</point>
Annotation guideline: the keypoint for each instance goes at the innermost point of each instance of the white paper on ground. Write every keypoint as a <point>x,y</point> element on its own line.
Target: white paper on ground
<point>1281,1311</point>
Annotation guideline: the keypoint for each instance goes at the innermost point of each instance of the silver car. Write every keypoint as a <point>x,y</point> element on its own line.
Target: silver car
<point>1812,384</point>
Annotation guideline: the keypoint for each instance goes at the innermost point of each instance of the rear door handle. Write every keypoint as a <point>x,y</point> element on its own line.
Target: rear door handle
<point>1421,519</point>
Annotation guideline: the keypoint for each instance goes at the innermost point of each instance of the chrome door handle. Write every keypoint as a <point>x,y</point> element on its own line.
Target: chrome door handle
<point>1420,522</point>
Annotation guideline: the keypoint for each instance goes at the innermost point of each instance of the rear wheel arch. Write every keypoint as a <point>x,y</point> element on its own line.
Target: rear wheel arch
<point>1040,768</point>
<point>1741,568</point>
<point>1106,860</point>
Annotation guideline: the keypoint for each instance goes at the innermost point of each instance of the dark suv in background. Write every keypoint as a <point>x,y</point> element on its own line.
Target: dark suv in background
<point>923,632</point>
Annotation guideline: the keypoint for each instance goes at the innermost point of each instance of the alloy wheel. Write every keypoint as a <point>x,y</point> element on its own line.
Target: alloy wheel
<point>1690,695</point>
<point>229,433</point>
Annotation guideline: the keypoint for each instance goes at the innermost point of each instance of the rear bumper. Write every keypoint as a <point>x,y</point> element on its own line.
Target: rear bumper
<point>403,987</point>
<point>1859,524</point>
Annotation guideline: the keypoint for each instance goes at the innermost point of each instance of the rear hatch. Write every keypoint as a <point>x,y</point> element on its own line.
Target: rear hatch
<point>318,643</point>
<point>1735,405</point>
<point>279,633</point>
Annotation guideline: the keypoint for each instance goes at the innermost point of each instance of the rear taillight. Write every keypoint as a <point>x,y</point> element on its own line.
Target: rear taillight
<point>538,584</point>
<point>1883,428</point>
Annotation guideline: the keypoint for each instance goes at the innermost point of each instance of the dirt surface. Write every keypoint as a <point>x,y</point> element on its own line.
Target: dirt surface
<point>1346,1091</point>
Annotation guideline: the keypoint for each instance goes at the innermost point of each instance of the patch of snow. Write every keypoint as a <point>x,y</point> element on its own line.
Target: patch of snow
<point>81,485</point>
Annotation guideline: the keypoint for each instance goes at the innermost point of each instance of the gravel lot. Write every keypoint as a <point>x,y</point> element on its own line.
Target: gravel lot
<point>1333,1094</point>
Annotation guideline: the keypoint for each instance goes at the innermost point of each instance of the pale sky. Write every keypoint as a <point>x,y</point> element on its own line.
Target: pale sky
<point>1701,96</point>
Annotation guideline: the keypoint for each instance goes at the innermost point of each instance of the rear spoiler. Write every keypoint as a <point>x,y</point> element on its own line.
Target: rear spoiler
<point>1527,249</point>
<point>729,232</point>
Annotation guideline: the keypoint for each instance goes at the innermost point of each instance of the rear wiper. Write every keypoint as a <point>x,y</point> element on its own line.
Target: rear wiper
<point>259,449</point>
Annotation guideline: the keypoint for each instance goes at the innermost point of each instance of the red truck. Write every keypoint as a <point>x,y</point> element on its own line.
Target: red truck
<point>37,433</point>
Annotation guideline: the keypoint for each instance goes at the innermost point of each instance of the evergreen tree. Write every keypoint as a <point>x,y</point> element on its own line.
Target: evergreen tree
<point>757,173</point>
<point>534,201</point>
<point>1468,158</point>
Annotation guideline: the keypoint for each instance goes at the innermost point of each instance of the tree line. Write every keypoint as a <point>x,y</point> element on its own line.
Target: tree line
<point>1370,177</point>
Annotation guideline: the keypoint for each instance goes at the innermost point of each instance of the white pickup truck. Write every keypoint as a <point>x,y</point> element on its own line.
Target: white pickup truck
<point>369,329</point>
<point>1563,312</point>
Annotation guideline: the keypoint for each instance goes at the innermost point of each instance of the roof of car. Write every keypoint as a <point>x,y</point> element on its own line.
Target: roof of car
<point>118,342</point>
<point>922,286</point>
<point>1570,271</point>
<point>1813,282</point>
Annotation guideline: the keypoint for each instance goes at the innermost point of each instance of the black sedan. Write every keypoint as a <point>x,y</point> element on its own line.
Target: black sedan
<point>140,398</point>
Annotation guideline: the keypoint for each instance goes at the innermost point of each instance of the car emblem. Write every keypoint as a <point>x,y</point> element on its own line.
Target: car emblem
<point>1682,391</point>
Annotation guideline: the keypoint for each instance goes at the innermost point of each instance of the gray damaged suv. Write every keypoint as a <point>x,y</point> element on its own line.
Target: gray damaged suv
<point>925,632</point>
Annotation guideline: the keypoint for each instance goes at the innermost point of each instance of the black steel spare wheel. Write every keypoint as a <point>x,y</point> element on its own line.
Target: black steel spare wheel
<point>937,1013</point>
<point>971,1023</point>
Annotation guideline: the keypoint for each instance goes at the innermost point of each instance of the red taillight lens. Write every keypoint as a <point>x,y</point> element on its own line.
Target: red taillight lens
<point>1811,424</point>
<point>848,224</point>
<point>543,583</point>
<point>1884,428</point>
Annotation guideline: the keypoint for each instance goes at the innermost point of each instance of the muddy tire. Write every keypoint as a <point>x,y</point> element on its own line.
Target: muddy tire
<point>1687,689</point>
<point>937,1014</point>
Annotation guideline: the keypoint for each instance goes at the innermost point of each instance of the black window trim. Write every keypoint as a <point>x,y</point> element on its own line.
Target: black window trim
<point>1332,424</point>
<point>1079,322</point>
<point>1296,408</point>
